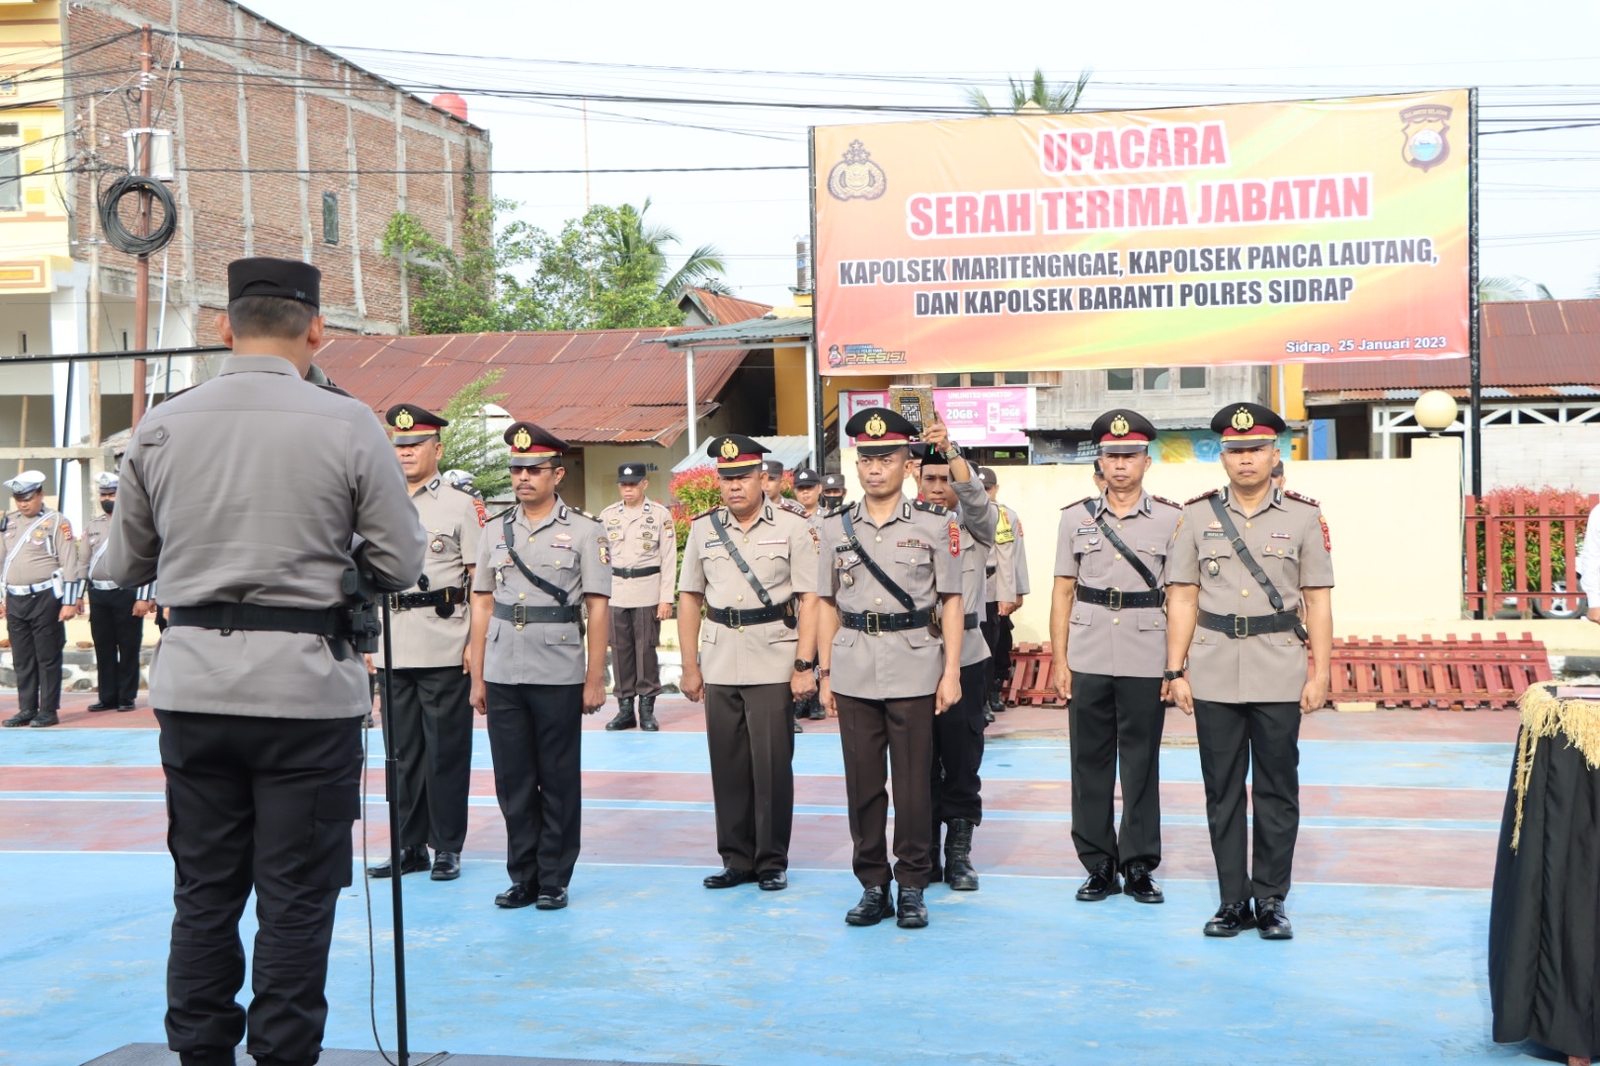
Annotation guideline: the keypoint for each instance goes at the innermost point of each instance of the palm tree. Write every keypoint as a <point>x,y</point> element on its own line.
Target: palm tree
<point>1505,288</point>
<point>1037,95</point>
<point>637,247</point>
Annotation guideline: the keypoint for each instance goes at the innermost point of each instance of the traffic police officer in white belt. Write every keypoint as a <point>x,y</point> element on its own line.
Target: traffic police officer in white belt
<point>753,566</point>
<point>116,615</point>
<point>1250,596</point>
<point>43,579</point>
<point>890,643</point>
<point>947,479</point>
<point>644,567</point>
<point>257,684</point>
<point>542,567</point>
<point>430,687</point>
<point>1108,635</point>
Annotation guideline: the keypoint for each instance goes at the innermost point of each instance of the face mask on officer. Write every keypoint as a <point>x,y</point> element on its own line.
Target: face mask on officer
<point>107,503</point>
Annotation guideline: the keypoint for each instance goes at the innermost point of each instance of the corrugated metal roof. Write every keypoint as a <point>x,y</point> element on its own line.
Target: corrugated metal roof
<point>754,333</point>
<point>1535,343</point>
<point>587,386</point>
<point>722,310</point>
<point>1518,392</point>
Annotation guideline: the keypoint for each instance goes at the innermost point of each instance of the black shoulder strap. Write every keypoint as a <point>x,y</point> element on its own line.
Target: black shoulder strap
<point>1116,542</point>
<point>1221,511</point>
<point>872,567</point>
<point>540,583</point>
<point>738,560</point>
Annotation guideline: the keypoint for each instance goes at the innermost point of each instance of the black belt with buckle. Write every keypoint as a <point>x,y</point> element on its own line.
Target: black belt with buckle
<point>249,617</point>
<point>520,615</point>
<point>1116,599</point>
<point>873,623</point>
<point>405,601</point>
<point>735,618</point>
<point>638,571</point>
<point>1239,626</point>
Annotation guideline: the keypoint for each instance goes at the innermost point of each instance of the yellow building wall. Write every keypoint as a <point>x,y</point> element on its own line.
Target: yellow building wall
<point>1395,526</point>
<point>34,240</point>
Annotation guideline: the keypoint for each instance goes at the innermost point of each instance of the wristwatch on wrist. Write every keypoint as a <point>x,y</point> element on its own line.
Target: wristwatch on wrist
<point>801,666</point>
<point>1171,675</point>
<point>824,673</point>
<point>951,449</point>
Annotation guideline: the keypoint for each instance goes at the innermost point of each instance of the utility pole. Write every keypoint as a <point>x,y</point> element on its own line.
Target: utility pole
<point>141,292</point>
<point>94,284</point>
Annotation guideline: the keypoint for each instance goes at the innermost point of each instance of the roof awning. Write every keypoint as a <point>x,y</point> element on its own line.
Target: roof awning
<point>756,333</point>
<point>790,451</point>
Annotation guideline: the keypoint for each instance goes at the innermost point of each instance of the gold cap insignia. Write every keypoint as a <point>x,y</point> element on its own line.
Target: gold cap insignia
<point>1243,420</point>
<point>522,441</point>
<point>404,420</point>
<point>1119,427</point>
<point>730,448</point>
<point>876,426</point>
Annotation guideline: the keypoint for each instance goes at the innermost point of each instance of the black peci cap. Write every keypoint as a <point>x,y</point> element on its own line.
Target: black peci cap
<point>287,279</point>
<point>805,478</point>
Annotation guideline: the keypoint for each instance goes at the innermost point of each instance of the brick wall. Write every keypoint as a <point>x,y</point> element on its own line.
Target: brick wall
<point>256,111</point>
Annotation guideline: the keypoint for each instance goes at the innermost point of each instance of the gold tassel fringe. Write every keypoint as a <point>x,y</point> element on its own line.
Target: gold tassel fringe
<point>1545,716</point>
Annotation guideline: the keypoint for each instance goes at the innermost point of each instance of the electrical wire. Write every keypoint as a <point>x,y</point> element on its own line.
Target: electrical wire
<point>119,236</point>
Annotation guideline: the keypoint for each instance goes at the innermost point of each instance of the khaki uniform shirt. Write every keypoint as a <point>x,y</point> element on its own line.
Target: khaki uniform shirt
<point>641,538</point>
<point>1008,573</point>
<point>247,489</point>
<point>96,539</point>
<point>977,517</point>
<point>781,550</point>
<point>913,548</point>
<point>567,549</point>
<point>39,550</point>
<point>1289,538</point>
<point>1131,642</point>
<point>450,522</point>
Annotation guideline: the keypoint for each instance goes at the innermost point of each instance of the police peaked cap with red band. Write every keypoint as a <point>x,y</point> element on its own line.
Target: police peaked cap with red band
<point>1247,425</point>
<point>533,445</point>
<point>1122,432</point>
<point>736,454</point>
<point>879,431</point>
<point>413,424</point>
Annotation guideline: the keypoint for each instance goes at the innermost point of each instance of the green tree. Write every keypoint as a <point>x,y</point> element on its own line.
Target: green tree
<point>468,443</point>
<point>1036,94</point>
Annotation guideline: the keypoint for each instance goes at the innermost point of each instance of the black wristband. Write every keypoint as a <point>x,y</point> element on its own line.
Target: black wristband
<point>1171,675</point>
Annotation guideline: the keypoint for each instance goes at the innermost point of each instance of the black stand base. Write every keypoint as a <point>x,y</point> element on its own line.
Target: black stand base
<point>158,1055</point>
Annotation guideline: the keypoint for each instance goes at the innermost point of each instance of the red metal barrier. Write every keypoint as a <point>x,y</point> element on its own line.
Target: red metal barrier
<point>1504,530</point>
<point>1447,673</point>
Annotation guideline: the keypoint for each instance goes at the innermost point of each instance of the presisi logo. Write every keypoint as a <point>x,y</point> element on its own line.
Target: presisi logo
<point>856,176</point>
<point>1424,127</point>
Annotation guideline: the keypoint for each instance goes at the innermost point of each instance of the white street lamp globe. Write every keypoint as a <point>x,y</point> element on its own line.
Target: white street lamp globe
<point>1435,410</point>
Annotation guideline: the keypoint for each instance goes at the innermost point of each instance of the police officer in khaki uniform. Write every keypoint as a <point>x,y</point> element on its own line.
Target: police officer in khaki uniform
<point>1007,584</point>
<point>430,687</point>
<point>1251,594</point>
<point>947,479</point>
<point>833,492</point>
<point>772,478</point>
<point>753,566</point>
<point>116,616</point>
<point>644,561</point>
<point>1108,636</point>
<point>808,494</point>
<point>542,567</point>
<point>258,689</point>
<point>43,581</point>
<point>889,638</point>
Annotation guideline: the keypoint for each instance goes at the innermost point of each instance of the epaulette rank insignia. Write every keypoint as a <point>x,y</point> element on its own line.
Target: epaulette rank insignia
<point>1203,496</point>
<point>1293,495</point>
<point>931,508</point>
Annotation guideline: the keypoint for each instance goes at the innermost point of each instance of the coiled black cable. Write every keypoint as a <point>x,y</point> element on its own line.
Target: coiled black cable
<point>118,235</point>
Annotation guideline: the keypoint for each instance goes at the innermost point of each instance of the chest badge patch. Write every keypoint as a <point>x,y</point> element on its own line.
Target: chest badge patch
<point>1213,567</point>
<point>436,545</point>
<point>1281,536</point>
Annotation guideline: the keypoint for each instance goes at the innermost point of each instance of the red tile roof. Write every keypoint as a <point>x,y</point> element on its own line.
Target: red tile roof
<point>726,310</point>
<point>1533,343</point>
<point>587,387</point>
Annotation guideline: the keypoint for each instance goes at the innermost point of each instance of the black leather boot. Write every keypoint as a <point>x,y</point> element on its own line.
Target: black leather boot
<point>624,718</point>
<point>958,871</point>
<point>647,714</point>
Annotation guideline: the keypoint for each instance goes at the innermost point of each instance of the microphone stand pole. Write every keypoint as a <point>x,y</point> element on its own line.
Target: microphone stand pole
<point>391,785</point>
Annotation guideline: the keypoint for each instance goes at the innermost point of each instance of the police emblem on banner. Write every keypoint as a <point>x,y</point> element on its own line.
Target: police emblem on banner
<point>856,176</point>
<point>1424,128</point>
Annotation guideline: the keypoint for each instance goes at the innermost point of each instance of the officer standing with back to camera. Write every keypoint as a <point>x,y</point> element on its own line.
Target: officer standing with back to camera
<point>1251,594</point>
<point>889,639</point>
<point>753,566</point>
<point>430,687</point>
<point>1007,584</point>
<point>257,683</point>
<point>542,567</point>
<point>643,541</point>
<point>1108,636</point>
<point>43,579</point>
<point>116,615</point>
<point>947,479</point>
